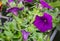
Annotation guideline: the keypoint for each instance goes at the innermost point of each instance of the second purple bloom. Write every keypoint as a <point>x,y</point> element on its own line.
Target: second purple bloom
<point>43,23</point>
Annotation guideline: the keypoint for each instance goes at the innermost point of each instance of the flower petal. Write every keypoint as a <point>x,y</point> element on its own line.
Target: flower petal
<point>25,34</point>
<point>10,0</point>
<point>28,0</point>
<point>45,4</point>
<point>13,10</point>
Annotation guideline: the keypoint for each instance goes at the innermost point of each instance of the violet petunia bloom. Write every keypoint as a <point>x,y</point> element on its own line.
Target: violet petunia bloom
<point>24,1</point>
<point>45,4</point>
<point>15,10</point>
<point>28,0</point>
<point>25,35</point>
<point>43,23</point>
<point>10,1</point>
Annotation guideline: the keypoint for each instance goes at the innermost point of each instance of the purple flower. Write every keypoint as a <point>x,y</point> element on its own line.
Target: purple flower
<point>45,4</point>
<point>25,35</point>
<point>15,10</point>
<point>28,0</point>
<point>10,1</point>
<point>43,23</point>
<point>24,1</point>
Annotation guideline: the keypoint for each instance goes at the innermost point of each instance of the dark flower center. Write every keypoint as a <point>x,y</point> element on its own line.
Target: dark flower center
<point>44,20</point>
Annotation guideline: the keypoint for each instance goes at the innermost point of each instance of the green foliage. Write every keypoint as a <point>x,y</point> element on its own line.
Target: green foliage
<point>55,4</point>
<point>24,20</point>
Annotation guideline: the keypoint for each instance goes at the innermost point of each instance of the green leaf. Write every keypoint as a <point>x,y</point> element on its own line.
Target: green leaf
<point>31,28</point>
<point>18,35</point>
<point>20,4</point>
<point>1,39</point>
<point>40,36</point>
<point>4,1</point>
<point>8,34</point>
<point>18,20</point>
<point>12,4</point>
<point>55,4</point>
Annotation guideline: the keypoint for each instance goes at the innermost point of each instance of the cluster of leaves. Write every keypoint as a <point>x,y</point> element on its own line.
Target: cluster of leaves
<point>11,31</point>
